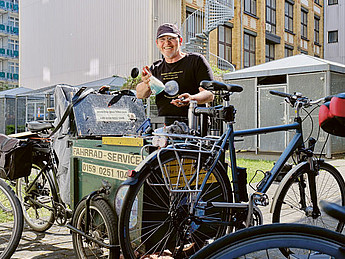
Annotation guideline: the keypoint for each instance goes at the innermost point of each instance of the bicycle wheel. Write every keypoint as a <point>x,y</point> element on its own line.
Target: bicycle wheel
<point>37,203</point>
<point>266,241</point>
<point>11,221</point>
<point>159,222</point>
<point>294,203</point>
<point>102,226</point>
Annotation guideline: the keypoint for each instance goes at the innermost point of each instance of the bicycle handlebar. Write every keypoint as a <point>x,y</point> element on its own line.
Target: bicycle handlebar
<point>210,111</point>
<point>217,86</point>
<point>298,98</point>
<point>281,94</point>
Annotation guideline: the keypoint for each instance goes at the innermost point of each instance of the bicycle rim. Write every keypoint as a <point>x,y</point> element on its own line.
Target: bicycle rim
<point>329,187</point>
<point>37,203</point>
<point>159,222</point>
<point>11,221</point>
<point>266,241</point>
<point>102,226</point>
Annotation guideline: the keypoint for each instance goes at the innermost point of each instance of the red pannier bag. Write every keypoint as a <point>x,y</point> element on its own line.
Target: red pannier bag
<point>332,115</point>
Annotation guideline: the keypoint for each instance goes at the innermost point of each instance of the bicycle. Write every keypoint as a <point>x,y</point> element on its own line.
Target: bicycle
<point>266,241</point>
<point>180,197</point>
<point>11,221</point>
<point>92,222</point>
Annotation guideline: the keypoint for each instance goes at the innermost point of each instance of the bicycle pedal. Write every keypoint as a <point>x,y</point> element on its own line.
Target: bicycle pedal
<point>44,199</point>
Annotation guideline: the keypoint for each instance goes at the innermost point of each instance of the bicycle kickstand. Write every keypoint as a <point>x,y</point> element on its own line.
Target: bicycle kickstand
<point>250,211</point>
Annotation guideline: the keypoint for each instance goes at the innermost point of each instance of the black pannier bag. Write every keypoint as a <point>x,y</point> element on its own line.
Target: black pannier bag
<point>15,157</point>
<point>332,115</point>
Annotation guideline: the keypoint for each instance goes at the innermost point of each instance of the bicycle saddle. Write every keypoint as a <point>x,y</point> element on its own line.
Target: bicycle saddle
<point>35,126</point>
<point>216,86</point>
<point>334,210</point>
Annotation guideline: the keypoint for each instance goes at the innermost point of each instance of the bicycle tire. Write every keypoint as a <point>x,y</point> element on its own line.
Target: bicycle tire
<point>267,240</point>
<point>102,226</point>
<point>330,187</point>
<point>163,218</point>
<point>11,226</point>
<point>38,217</point>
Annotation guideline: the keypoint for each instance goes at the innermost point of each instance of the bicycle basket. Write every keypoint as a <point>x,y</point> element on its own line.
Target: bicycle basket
<point>15,158</point>
<point>332,116</point>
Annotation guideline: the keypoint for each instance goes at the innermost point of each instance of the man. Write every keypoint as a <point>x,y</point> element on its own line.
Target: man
<point>177,69</point>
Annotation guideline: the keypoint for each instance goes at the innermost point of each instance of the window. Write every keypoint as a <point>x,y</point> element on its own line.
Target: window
<point>13,44</point>
<point>249,50</point>
<point>317,2</point>
<point>317,30</point>
<point>332,36</point>
<point>304,24</point>
<point>269,52</point>
<point>14,22</point>
<point>332,2</point>
<point>288,16</point>
<point>271,15</point>
<point>288,52</point>
<point>13,67</point>
<point>224,42</point>
<point>250,6</point>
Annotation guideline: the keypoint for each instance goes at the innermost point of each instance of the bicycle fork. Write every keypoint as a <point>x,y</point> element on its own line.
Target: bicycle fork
<point>312,172</point>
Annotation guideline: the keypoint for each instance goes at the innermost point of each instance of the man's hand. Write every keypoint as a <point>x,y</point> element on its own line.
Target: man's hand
<point>202,97</point>
<point>143,89</point>
<point>182,100</point>
<point>145,75</point>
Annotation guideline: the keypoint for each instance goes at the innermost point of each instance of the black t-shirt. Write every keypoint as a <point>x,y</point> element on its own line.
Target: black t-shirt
<point>187,73</point>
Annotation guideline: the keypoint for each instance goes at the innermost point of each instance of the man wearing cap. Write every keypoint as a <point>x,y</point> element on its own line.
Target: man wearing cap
<point>183,71</point>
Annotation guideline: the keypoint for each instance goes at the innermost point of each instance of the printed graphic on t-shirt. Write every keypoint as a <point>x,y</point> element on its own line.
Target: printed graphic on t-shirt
<point>171,87</point>
<point>171,75</point>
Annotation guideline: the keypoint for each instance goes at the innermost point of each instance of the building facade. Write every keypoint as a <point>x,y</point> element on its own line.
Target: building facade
<point>78,41</point>
<point>261,31</point>
<point>9,44</point>
<point>334,36</point>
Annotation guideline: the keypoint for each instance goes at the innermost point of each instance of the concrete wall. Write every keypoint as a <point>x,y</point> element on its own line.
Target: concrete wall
<point>77,41</point>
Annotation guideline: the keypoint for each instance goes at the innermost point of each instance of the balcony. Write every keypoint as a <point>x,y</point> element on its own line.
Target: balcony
<point>6,76</point>
<point>8,29</point>
<point>9,53</point>
<point>8,6</point>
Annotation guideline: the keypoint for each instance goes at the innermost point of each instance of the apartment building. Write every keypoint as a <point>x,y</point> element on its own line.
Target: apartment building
<point>9,44</point>
<point>334,37</point>
<point>261,31</point>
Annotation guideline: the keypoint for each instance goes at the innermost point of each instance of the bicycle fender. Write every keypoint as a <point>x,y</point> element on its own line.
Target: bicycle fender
<point>283,182</point>
<point>140,168</point>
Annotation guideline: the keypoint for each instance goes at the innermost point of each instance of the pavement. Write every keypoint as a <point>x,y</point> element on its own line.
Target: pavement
<point>57,241</point>
<point>54,243</point>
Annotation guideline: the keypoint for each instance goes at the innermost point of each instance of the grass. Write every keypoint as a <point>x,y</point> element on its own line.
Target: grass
<point>252,167</point>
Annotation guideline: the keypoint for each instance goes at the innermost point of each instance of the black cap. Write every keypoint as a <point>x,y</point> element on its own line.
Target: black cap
<point>168,29</point>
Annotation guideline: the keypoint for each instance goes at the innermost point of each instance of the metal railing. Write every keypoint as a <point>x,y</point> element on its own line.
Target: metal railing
<point>221,63</point>
<point>197,26</point>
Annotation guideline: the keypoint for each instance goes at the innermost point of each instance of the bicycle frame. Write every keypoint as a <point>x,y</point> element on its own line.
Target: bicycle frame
<point>228,138</point>
<point>49,171</point>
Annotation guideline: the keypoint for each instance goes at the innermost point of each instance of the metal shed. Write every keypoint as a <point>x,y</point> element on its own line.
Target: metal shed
<point>311,76</point>
<point>11,107</point>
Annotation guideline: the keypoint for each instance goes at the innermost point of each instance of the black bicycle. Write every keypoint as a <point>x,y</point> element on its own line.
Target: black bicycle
<point>270,241</point>
<point>92,222</point>
<point>11,220</point>
<point>180,197</point>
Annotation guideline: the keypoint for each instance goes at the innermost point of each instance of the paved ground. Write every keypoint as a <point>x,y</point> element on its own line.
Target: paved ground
<point>57,241</point>
<point>54,243</point>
